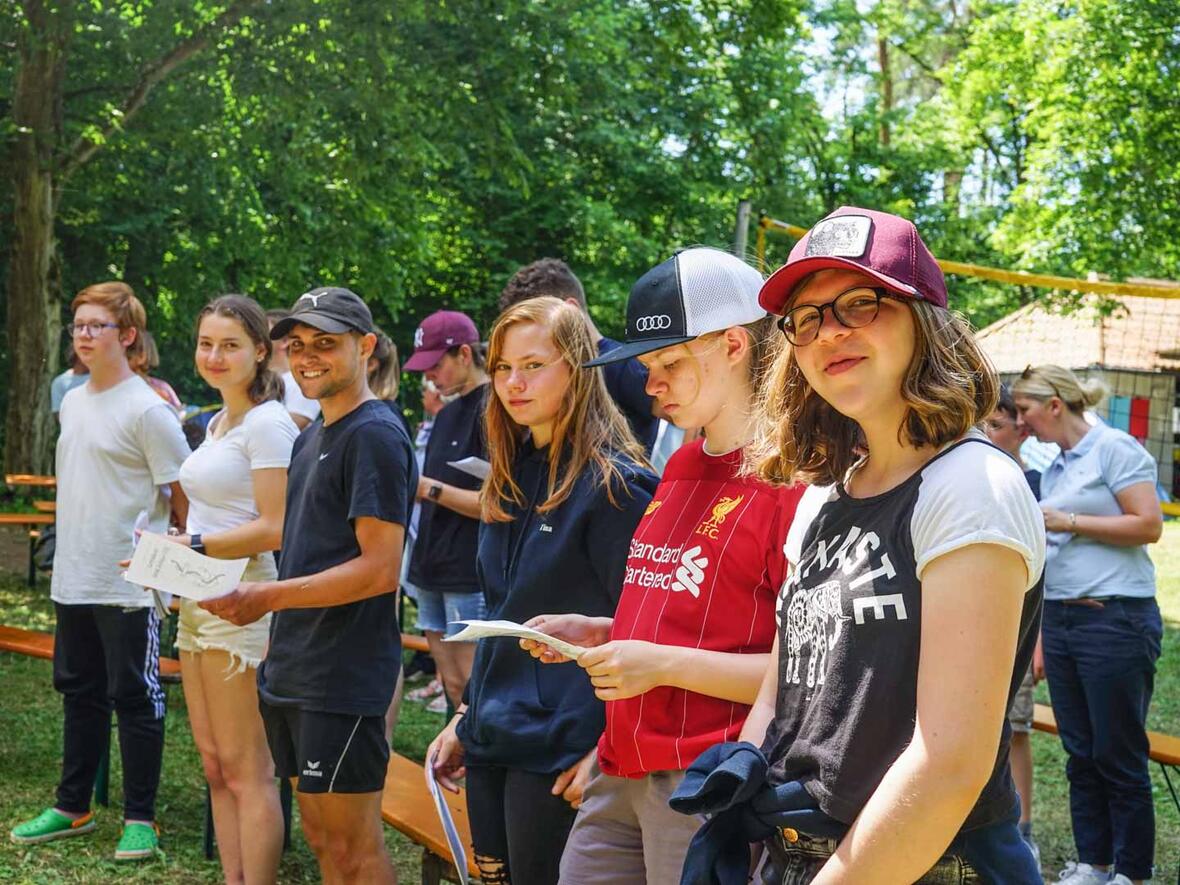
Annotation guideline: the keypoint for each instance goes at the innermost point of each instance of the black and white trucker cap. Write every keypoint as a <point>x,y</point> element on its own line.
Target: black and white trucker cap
<point>696,291</point>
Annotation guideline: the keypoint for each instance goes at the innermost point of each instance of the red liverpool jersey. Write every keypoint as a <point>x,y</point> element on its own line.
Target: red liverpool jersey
<point>704,571</point>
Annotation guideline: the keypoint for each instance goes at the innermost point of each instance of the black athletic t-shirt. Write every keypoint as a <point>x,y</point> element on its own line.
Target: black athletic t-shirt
<point>626,381</point>
<point>346,658</point>
<point>445,551</point>
<point>851,621</point>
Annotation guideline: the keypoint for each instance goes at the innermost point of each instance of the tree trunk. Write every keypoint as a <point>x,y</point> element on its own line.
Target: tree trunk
<point>33,289</point>
<point>886,87</point>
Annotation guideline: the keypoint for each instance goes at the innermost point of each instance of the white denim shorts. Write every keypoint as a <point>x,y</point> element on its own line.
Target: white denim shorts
<point>199,631</point>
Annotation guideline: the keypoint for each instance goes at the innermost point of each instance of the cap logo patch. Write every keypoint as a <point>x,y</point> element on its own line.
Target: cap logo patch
<point>315,299</point>
<point>846,236</point>
<point>418,336</point>
<point>653,323</point>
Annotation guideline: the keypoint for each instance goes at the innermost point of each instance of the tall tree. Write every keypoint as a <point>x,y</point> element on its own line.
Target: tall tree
<point>47,149</point>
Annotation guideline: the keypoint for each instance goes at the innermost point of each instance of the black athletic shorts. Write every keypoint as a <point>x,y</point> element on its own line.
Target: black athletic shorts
<point>328,752</point>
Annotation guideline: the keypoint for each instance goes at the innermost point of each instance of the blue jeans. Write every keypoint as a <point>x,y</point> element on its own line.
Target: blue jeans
<point>438,610</point>
<point>992,854</point>
<point>1100,663</point>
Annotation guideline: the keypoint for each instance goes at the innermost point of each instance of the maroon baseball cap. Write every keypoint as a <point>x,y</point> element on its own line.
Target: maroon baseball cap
<point>438,333</point>
<point>883,246</point>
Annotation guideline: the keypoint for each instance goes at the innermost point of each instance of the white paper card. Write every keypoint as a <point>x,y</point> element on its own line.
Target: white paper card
<point>458,854</point>
<point>472,466</point>
<point>481,629</point>
<point>162,565</point>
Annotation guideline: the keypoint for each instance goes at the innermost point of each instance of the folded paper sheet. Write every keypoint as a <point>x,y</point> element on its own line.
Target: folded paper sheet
<point>458,854</point>
<point>162,565</point>
<point>482,629</point>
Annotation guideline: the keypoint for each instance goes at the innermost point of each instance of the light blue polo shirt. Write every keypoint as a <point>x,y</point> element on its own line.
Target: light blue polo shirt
<point>1084,480</point>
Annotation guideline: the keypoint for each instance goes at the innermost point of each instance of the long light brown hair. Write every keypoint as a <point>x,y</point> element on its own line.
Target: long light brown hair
<point>248,314</point>
<point>385,378</point>
<point>589,429</point>
<point>949,387</point>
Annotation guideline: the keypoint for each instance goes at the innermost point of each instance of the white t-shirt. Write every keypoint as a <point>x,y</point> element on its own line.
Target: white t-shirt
<point>216,477</point>
<point>118,451</point>
<point>296,402</point>
<point>975,494</point>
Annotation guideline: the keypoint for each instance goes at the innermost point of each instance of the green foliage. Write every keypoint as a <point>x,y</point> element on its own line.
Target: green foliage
<point>420,152</point>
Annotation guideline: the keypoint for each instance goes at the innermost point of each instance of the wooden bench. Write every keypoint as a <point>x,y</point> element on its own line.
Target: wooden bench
<point>30,479</point>
<point>29,520</point>
<point>36,644</point>
<point>414,642</point>
<point>406,805</point>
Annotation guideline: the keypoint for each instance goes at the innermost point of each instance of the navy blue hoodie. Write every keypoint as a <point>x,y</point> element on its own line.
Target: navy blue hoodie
<point>521,713</point>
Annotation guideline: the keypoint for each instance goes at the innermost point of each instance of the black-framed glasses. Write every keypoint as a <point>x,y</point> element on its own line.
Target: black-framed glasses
<point>854,309</point>
<point>91,330</point>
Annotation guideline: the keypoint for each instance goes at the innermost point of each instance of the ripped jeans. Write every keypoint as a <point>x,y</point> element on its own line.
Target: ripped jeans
<point>518,828</point>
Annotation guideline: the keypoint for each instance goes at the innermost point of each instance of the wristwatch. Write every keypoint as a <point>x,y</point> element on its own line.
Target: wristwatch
<point>1073,522</point>
<point>434,492</point>
<point>194,542</point>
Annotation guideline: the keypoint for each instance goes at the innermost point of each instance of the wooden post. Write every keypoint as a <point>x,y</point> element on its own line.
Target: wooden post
<point>741,229</point>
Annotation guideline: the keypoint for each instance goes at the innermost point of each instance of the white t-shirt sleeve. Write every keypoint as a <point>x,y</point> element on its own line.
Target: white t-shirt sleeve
<point>162,442</point>
<point>295,402</point>
<point>809,506</point>
<point>976,494</point>
<point>270,434</point>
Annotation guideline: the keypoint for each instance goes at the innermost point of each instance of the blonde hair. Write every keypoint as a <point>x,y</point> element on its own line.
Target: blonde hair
<point>1045,382</point>
<point>386,375</point>
<point>588,430</point>
<point>949,388</point>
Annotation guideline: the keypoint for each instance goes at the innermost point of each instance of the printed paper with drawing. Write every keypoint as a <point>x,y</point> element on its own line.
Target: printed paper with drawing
<point>480,629</point>
<point>162,565</point>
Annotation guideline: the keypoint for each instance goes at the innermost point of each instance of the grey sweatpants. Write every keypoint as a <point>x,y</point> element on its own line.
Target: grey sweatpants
<point>625,833</point>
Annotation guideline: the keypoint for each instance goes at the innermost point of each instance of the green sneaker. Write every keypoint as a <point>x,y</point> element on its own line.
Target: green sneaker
<point>139,841</point>
<point>49,825</point>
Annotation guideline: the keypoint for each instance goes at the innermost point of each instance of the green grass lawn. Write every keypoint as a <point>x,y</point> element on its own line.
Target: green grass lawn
<point>30,759</point>
<point>30,747</point>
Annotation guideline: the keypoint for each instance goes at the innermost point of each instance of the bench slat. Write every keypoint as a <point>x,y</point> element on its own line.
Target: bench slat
<point>406,806</point>
<point>1164,748</point>
<point>35,644</point>
<point>27,519</point>
<point>30,479</point>
<point>414,642</point>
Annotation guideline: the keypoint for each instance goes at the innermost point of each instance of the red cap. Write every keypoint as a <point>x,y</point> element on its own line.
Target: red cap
<point>883,246</point>
<point>438,333</point>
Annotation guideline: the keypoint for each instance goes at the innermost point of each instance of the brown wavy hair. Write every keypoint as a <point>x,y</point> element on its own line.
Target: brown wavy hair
<point>949,388</point>
<point>248,314</point>
<point>588,431</point>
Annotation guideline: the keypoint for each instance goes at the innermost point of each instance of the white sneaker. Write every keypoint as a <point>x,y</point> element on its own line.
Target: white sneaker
<point>437,705</point>
<point>1082,874</point>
